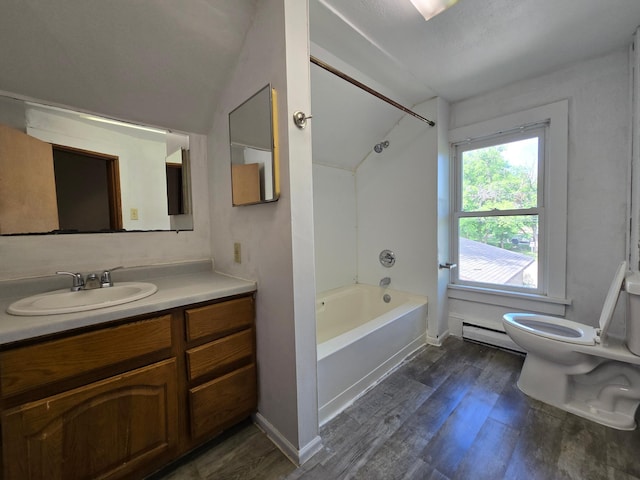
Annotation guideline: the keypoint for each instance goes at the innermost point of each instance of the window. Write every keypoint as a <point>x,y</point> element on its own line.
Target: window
<point>500,209</point>
<point>509,208</point>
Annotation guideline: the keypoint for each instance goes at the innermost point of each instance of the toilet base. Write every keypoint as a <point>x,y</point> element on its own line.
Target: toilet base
<point>552,384</point>
<point>615,420</point>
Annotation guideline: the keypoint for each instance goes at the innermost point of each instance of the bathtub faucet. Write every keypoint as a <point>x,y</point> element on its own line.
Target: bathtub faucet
<point>384,282</point>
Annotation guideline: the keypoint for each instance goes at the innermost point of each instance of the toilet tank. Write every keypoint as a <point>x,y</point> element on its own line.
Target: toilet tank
<point>632,287</point>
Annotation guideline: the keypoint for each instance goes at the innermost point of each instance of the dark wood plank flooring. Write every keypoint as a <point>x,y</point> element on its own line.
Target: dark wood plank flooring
<point>452,412</point>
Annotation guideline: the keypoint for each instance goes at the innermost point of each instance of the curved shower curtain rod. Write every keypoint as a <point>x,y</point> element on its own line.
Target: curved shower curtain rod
<point>368,89</point>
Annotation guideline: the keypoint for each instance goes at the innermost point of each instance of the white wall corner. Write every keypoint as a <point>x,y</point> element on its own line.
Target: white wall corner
<point>277,238</point>
<point>298,97</point>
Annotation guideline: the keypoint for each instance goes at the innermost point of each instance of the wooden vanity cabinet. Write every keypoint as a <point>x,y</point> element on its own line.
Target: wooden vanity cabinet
<point>122,401</point>
<point>108,429</point>
<point>220,365</point>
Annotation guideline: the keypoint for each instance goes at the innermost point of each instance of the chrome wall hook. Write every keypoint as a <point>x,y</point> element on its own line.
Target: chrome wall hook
<point>300,119</point>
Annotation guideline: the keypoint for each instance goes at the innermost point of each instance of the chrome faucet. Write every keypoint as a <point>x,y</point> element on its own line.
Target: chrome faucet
<point>105,278</point>
<point>78,280</point>
<point>92,281</point>
<point>384,282</point>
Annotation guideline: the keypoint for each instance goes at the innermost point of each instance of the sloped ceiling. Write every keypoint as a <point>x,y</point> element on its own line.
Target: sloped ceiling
<point>165,62</point>
<point>473,47</point>
<point>160,62</point>
<point>347,121</point>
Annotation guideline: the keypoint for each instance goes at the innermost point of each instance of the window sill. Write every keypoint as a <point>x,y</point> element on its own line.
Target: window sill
<point>514,300</point>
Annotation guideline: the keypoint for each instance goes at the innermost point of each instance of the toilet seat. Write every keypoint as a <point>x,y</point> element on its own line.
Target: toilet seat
<point>563,330</point>
<point>555,328</point>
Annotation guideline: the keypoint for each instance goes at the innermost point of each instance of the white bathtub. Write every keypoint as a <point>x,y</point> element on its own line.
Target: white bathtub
<point>361,338</point>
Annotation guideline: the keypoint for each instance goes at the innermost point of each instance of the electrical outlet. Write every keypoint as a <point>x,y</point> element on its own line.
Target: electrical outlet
<point>237,253</point>
<point>134,214</point>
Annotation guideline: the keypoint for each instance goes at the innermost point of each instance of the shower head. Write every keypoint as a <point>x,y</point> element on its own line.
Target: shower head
<point>381,146</point>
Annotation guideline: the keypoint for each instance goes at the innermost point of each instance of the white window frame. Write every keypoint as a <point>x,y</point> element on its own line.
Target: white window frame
<point>553,227</point>
<point>538,131</point>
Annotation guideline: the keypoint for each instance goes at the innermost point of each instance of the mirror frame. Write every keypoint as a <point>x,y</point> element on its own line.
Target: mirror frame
<point>237,183</point>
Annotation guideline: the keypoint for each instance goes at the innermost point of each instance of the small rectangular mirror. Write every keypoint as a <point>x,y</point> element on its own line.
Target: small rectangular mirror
<point>254,150</point>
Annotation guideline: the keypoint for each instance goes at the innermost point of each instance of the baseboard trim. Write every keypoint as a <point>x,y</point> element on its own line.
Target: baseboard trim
<point>297,456</point>
<point>437,341</point>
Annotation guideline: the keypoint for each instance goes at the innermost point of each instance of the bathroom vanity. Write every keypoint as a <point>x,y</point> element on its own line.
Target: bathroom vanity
<point>120,398</point>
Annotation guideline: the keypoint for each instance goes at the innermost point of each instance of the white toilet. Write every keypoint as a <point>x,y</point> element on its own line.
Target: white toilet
<point>578,368</point>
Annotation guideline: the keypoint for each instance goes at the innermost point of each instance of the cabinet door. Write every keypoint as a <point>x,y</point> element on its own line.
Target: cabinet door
<point>106,430</point>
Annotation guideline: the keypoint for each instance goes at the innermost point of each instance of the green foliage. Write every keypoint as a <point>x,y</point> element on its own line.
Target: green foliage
<point>491,182</point>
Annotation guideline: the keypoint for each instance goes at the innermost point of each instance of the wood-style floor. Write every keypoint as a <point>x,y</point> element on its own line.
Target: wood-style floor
<point>452,412</point>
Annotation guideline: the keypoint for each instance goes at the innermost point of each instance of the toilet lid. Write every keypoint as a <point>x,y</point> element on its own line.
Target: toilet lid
<point>612,298</point>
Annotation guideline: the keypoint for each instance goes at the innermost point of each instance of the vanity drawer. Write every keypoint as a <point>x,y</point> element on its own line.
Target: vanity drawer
<point>33,366</point>
<point>223,401</point>
<point>221,356</point>
<point>220,318</point>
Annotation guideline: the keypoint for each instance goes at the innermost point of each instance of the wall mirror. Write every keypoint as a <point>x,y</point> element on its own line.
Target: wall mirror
<point>70,172</point>
<point>253,137</point>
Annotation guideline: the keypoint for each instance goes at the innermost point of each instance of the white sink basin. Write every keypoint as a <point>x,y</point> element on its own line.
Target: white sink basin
<point>66,301</point>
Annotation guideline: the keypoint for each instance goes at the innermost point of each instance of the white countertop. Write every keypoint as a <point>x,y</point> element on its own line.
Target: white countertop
<point>174,290</point>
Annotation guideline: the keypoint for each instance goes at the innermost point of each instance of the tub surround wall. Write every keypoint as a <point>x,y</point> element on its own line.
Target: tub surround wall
<point>397,198</point>
<point>334,213</point>
<point>277,238</point>
<point>38,255</point>
<point>396,194</point>
<point>598,93</point>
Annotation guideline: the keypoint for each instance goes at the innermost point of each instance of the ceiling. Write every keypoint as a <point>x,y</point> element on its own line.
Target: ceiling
<point>160,62</point>
<point>473,47</point>
<point>165,63</point>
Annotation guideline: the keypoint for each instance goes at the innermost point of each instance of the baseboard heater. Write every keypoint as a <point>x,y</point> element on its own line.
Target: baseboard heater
<point>488,336</point>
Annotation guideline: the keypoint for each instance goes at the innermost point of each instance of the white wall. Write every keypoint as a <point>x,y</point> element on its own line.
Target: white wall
<point>599,102</point>
<point>276,238</point>
<point>334,213</point>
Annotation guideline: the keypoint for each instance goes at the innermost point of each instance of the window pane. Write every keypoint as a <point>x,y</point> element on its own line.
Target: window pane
<point>503,177</point>
<point>500,250</point>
